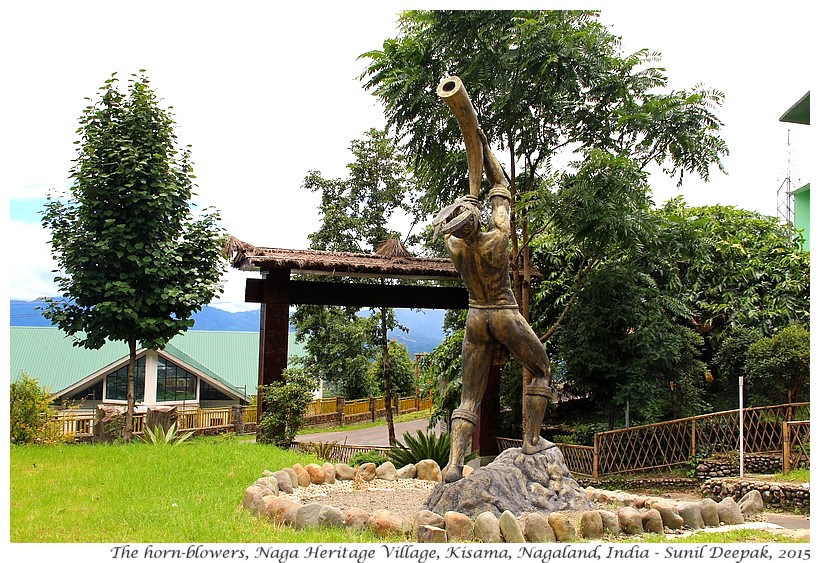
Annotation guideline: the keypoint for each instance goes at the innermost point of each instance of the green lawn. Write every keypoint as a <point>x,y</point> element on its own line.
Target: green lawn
<point>141,493</point>
<point>191,493</point>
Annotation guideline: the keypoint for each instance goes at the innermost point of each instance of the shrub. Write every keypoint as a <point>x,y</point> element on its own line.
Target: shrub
<point>30,409</point>
<point>285,406</point>
<point>424,446</point>
<point>159,437</point>
<point>367,457</point>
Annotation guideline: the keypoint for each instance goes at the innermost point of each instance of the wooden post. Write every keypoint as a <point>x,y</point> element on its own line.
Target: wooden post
<point>340,409</point>
<point>596,449</point>
<point>693,448</point>
<point>786,448</point>
<point>489,414</point>
<point>273,331</point>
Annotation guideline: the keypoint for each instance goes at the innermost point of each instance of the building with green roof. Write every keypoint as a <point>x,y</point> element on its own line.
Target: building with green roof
<point>196,368</point>
<point>800,112</point>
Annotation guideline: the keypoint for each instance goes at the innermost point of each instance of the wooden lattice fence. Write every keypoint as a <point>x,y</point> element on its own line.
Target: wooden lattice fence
<point>677,442</point>
<point>336,453</point>
<point>796,435</point>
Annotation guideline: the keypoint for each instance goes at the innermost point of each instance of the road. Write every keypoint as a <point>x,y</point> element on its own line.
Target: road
<point>375,436</point>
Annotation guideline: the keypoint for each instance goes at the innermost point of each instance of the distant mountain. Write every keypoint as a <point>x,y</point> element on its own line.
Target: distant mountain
<point>424,326</point>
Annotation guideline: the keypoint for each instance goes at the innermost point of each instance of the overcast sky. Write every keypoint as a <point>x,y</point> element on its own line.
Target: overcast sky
<point>265,92</point>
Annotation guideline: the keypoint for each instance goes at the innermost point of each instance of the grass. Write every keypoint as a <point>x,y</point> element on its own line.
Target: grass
<point>190,493</point>
<point>141,493</point>
<point>407,417</point>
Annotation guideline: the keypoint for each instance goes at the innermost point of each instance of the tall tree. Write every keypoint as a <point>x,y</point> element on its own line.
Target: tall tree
<point>544,83</point>
<point>135,261</point>
<point>355,214</point>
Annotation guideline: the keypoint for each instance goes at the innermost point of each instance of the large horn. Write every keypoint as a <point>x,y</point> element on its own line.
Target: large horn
<point>451,89</point>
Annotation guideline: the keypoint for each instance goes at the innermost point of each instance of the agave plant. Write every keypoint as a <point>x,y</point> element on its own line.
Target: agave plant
<point>425,446</point>
<point>160,437</point>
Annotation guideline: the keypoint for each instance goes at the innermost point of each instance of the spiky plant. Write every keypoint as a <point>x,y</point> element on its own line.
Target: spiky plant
<point>160,437</point>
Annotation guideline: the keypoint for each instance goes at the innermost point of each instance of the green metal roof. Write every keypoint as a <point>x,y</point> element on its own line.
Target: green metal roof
<point>799,112</point>
<point>47,354</point>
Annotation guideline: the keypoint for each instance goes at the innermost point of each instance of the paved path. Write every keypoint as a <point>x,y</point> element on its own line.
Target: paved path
<point>376,436</point>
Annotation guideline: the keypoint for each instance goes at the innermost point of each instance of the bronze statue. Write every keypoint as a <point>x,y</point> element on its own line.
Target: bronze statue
<point>493,319</point>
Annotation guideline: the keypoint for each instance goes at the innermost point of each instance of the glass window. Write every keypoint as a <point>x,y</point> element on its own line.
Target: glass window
<point>209,393</point>
<point>174,383</point>
<point>93,393</point>
<point>116,383</point>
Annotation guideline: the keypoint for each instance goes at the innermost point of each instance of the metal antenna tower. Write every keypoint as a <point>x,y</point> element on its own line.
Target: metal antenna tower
<point>784,193</point>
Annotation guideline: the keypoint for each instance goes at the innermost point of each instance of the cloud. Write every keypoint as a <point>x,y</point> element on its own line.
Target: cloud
<point>30,262</point>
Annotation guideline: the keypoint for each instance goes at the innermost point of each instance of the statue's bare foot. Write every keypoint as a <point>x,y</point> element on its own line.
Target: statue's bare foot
<point>453,473</point>
<point>539,446</point>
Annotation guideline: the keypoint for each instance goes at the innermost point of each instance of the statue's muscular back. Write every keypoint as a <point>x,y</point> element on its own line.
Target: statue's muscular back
<point>483,262</point>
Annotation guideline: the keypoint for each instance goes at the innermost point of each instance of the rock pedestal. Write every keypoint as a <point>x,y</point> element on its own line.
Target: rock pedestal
<point>514,481</point>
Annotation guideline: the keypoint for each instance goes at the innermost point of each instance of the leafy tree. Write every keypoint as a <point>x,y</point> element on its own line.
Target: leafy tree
<point>355,214</point>
<point>729,366</point>
<point>542,82</point>
<point>402,369</point>
<point>546,83</point>
<point>778,366</point>
<point>135,262</point>
<point>287,403</point>
<point>29,409</point>
<point>338,347</point>
<point>741,269</point>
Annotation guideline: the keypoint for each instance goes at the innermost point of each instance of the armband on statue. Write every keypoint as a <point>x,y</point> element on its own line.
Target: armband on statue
<point>500,191</point>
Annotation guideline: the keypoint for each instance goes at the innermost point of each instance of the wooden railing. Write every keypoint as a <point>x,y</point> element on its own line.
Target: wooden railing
<point>357,406</point>
<point>336,453</point>
<point>190,419</point>
<point>80,424</point>
<point>675,442</point>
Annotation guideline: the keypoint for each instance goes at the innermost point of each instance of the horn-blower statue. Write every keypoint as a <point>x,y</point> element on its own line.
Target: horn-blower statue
<point>493,319</point>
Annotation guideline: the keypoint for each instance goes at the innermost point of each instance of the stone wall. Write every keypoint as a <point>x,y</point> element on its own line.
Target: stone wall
<point>728,465</point>
<point>786,496</point>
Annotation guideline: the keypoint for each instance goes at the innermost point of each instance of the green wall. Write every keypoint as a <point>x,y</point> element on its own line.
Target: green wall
<point>801,212</point>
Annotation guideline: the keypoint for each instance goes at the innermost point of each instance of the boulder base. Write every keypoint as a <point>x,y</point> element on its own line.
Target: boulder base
<point>515,481</point>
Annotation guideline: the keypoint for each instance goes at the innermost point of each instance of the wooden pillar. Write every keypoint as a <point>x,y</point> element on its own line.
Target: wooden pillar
<point>489,415</point>
<point>273,330</point>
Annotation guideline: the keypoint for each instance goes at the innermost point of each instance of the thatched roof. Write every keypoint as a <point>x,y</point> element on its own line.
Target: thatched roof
<point>392,260</point>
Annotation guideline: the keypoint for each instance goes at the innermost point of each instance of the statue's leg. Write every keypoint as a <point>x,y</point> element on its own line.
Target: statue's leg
<point>476,355</point>
<point>461,432</point>
<point>513,331</point>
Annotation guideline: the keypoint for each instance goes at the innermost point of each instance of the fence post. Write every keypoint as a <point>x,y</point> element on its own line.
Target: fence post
<point>596,448</point>
<point>786,448</point>
<point>238,417</point>
<point>373,409</point>
<point>340,409</point>
<point>693,449</point>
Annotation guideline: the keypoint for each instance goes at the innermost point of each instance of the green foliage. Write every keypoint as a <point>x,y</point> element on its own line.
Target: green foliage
<point>322,450</point>
<point>339,347</point>
<point>425,445</point>
<point>779,367</point>
<point>134,261</point>
<point>443,368</point>
<point>285,406</point>
<point>367,457</point>
<point>29,410</point>
<point>402,369</point>
<point>741,269</point>
<point>160,437</point>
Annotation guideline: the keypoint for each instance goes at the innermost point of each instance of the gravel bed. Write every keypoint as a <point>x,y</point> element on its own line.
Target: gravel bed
<point>404,496</point>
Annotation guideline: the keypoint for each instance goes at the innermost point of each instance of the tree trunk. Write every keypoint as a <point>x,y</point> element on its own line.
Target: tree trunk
<point>129,395</point>
<point>388,395</point>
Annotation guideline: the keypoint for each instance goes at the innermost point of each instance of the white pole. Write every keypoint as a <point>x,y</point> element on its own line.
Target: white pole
<point>740,414</point>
